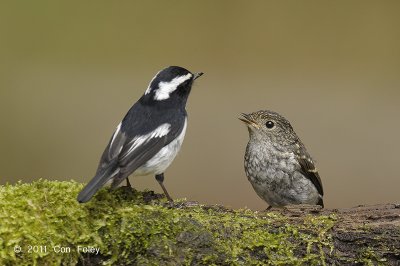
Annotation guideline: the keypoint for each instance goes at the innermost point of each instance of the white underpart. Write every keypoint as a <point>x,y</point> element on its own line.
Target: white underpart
<point>160,162</point>
<point>149,87</point>
<point>166,88</point>
<point>159,132</point>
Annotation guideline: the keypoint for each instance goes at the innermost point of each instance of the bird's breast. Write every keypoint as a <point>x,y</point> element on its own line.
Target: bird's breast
<point>160,162</point>
<point>265,163</point>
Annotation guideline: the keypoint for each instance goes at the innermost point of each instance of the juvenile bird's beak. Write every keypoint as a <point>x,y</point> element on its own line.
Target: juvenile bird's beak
<point>197,75</point>
<point>248,120</point>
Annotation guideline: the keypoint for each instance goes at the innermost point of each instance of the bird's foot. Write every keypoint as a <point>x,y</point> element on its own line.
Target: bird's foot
<point>149,196</point>
<point>186,204</point>
<point>127,189</point>
<point>303,208</point>
<point>268,209</point>
<point>181,205</point>
<point>128,184</point>
<point>169,204</point>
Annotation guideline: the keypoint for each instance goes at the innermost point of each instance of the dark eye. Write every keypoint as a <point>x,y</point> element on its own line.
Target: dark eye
<point>270,124</point>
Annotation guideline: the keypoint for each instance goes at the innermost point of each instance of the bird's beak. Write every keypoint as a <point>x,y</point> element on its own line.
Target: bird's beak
<point>248,120</point>
<point>196,75</point>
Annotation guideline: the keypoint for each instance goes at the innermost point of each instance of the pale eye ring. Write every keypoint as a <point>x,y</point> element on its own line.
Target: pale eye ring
<point>270,124</point>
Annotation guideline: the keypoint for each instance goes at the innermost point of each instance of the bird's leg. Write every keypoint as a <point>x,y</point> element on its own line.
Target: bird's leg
<point>128,184</point>
<point>160,180</point>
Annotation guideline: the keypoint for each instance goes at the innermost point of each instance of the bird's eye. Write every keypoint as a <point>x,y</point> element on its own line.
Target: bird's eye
<point>269,124</point>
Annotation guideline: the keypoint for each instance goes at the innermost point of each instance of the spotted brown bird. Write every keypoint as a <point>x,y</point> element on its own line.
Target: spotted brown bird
<point>277,163</point>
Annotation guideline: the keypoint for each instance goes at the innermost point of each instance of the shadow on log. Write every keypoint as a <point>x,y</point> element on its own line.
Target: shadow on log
<point>42,223</point>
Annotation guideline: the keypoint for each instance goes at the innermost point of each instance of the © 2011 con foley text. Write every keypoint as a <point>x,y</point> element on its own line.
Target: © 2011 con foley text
<point>55,249</point>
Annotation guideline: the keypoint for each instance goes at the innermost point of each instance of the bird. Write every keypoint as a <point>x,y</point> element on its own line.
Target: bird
<point>150,135</point>
<point>277,163</point>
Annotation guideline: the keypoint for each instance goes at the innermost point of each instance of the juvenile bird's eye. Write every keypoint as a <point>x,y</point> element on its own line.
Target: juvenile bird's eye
<point>269,124</point>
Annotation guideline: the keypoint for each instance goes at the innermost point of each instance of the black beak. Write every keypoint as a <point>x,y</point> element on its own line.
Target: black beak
<point>197,75</point>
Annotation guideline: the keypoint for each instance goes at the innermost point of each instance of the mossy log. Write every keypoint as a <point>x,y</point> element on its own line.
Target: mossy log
<point>42,224</point>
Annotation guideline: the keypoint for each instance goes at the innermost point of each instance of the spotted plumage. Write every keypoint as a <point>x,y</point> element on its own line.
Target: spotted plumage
<point>277,163</point>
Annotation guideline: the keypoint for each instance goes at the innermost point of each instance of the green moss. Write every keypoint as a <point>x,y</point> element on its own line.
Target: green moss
<point>42,215</point>
<point>139,228</point>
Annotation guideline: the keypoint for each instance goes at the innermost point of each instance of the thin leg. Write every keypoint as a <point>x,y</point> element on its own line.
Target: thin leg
<point>128,184</point>
<point>160,180</point>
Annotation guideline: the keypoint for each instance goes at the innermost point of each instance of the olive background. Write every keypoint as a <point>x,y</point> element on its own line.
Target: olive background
<point>69,71</point>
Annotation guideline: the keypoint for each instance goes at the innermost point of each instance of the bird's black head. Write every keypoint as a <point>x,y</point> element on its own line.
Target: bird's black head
<point>172,84</point>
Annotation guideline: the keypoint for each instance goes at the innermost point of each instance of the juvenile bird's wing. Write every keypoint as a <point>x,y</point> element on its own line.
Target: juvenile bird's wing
<point>308,168</point>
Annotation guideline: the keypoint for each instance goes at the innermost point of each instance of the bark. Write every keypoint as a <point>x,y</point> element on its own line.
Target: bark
<point>373,230</point>
<point>129,227</point>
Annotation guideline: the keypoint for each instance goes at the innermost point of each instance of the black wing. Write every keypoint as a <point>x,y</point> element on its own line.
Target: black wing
<point>308,168</point>
<point>133,143</point>
<point>142,148</point>
<point>144,138</point>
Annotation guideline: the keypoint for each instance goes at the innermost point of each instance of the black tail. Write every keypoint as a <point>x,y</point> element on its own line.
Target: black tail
<point>95,184</point>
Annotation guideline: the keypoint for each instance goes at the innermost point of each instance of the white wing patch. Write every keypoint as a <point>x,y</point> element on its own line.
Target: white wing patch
<point>139,140</point>
<point>115,134</point>
<point>166,88</point>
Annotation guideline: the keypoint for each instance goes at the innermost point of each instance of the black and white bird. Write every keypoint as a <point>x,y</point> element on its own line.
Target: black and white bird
<point>150,135</point>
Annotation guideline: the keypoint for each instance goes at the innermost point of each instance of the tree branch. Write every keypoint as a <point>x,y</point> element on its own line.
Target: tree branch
<point>140,228</point>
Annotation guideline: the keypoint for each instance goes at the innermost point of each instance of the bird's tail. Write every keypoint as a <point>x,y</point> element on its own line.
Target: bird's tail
<point>96,183</point>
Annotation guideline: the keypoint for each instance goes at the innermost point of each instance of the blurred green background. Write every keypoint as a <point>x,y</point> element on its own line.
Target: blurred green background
<point>69,72</point>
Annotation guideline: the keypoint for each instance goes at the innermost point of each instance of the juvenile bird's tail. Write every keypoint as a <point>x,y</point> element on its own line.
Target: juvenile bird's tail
<point>96,183</point>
